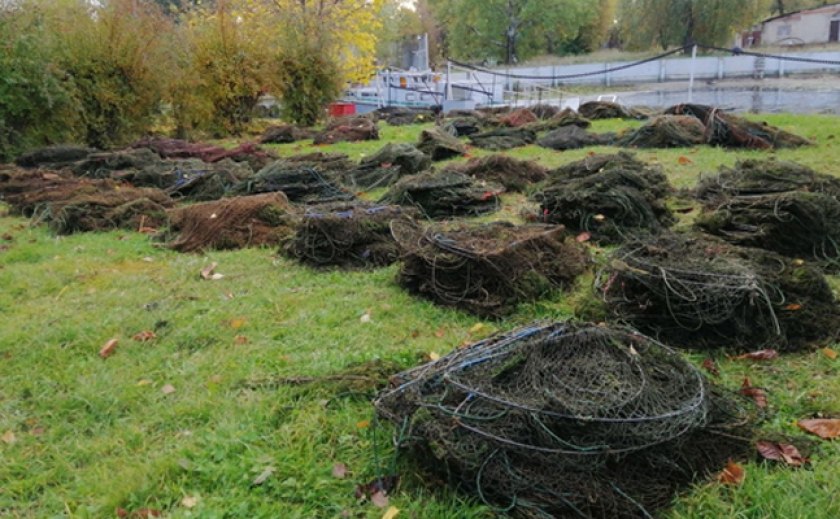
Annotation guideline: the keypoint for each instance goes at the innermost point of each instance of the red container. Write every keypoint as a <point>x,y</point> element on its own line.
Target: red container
<point>342,109</point>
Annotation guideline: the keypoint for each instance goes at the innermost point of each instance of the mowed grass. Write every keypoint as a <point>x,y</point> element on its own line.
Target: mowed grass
<point>194,423</point>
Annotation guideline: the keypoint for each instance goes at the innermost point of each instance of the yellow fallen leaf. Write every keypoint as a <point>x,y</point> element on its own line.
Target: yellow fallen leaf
<point>831,354</point>
<point>477,327</point>
<point>8,437</point>
<point>144,382</point>
<point>189,501</point>
<point>237,323</point>
<point>391,512</point>
<point>364,424</point>
<point>434,355</point>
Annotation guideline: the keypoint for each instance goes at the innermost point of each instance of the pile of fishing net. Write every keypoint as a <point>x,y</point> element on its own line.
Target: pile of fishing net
<point>503,138</point>
<point>513,174</point>
<point>190,179</point>
<point>462,126</point>
<point>106,164</point>
<point>300,181</point>
<point>731,131</point>
<point>445,194</point>
<point>559,119</point>
<point>180,149</point>
<point>386,166</point>
<point>232,223</point>
<point>284,134</point>
<point>568,420</point>
<point>353,235</point>
<point>573,137</point>
<point>348,129</point>
<point>797,224</point>
<point>666,131</point>
<point>517,118</point>
<point>440,145</point>
<point>764,177</point>
<point>70,204</point>
<point>486,269</point>
<point>700,292</point>
<point>53,157</point>
<point>333,162</point>
<point>401,116</point>
<point>612,197</point>
<point>609,110</point>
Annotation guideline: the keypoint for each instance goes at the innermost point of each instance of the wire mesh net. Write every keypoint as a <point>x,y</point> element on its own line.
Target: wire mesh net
<point>503,138</point>
<point>486,269</point>
<point>666,131</point>
<point>300,181</point>
<point>445,194</point>
<point>763,177</point>
<point>567,420</point>
<point>348,235</point>
<point>513,174</point>
<point>699,292</point>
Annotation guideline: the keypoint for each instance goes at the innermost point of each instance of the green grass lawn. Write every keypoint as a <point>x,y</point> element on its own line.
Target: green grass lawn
<point>197,422</point>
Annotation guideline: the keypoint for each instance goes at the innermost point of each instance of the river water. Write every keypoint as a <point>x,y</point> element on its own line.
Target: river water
<point>743,99</point>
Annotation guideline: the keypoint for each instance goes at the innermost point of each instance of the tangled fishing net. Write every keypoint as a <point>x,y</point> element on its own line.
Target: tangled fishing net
<point>181,149</point>
<point>386,166</point>
<point>612,197</point>
<point>301,182</point>
<point>503,138</point>
<point>568,420</point>
<point>53,157</point>
<point>572,138</point>
<point>445,194</point>
<point>699,292</point>
<point>284,134</point>
<point>763,177</point>
<point>401,116</point>
<point>566,117</point>
<point>486,269</point>
<point>347,235</point>
<point>191,179</point>
<point>232,223</point>
<point>25,190</point>
<point>462,126</point>
<point>609,110</point>
<point>797,224</point>
<point>513,174</point>
<point>348,129</point>
<point>666,131</point>
<point>731,131</point>
<point>105,164</point>
<point>517,118</point>
<point>440,145</point>
<point>324,161</point>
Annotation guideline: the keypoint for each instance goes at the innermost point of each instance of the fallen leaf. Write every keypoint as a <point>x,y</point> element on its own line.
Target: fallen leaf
<point>583,237</point>
<point>144,382</point>
<point>364,424</point>
<point>379,499</point>
<point>240,339</point>
<point>599,218</point>
<point>758,355</point>
<point>37,431</point>
<point>440,333</point>
<point>237,323</point>
<point>168,389</point>
<point>339,471</point>
<point>189,501</point>
<point>684,161</point>
<point>207,272</point>
<point>732,474</point>
<point>365,318</point>
<point>756,393</point>
<point>263,477</point>
<point>798,262</point>
<point>391,513</point>
<point>783,452</point>
<point>710,366</point>
<point>825,428</point>
<point>793,307</point>
<point>384,484</point>
<point>434,356</point>
<point>477,327</point>
<point>828,352</point>
<point>144,336</point>
<point>8,437</point>
<point>109,348</point>
<point>415,334</point>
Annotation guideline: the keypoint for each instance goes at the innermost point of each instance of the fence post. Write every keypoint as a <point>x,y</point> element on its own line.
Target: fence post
<point>720,68</point>
<point>662,71</point>
<point>448,81</point>
<point>691,76</point>
<point>606,74</point>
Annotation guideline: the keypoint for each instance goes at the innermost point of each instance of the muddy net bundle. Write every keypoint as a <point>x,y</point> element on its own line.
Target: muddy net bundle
<point>348,129</point>
<point>387,166</point>
<point>731,131</point>
<point>700,292</point>
<point>612,197</point>
<point>445,194</point>
<point>347,235</point>
<point>763,177</point>
<point>191,179</point>
<point>608,110</point>
<point>503,138</point>
<point>486,269</point>
<point>797,224</point>
<point>440,145</point>
<point>232,223</point>
<point>567,420</point>
<point>574,137</point>
<point>513,174</point>
<point>666,131</point>
<point>300,181</point>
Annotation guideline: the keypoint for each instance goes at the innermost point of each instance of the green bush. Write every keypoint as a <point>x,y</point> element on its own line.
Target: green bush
<point>310,82</point>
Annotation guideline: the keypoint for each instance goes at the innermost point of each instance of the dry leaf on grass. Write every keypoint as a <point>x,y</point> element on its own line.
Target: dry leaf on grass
<point>144,336</point>
<point>379,499</point>
<point>756,393</point>
<point>8,437</point>
<point>263,477</point>
<point>732,474</point>
<point>109,348</point>
<point>208,272</point>
<point>710,366</point>
<point>168,389</point>
<point>339,471</point>
<point>758,355</point>
<point>783,452</point>
<point>391,513</point>
<point>825,428</point>
<point>828,352</point>
<point>189,501</point>
<point>583,237</point>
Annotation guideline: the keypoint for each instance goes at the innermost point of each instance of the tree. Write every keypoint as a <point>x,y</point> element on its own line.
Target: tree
<point>685,22</point>
<point>511,29</point>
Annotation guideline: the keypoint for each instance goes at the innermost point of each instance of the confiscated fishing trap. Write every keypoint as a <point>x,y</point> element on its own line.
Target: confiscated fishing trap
<point>731,131</point>
<point>386,166</point>
<point>232,223</point>
<point>567,420</point>
<point>763,177</point>
<point>608,110</point>
<point>699,292</point>
<point>124,208</point>
<point>348,235</point>
<point>797,224</point>
<point>666,131</point>
<point>486,269</point>
<point>620,199</point>
<point>301,182</point>
<point>445,194</point>
<point>513,174</point>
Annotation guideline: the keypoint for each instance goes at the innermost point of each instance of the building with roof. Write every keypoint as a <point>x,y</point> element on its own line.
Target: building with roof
<point>809,26</point>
